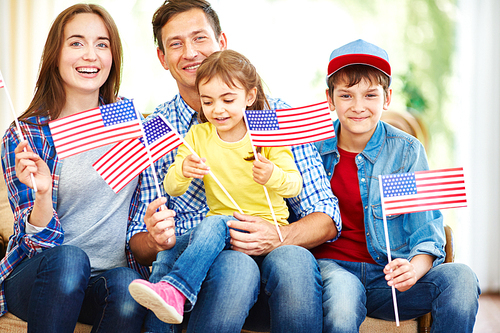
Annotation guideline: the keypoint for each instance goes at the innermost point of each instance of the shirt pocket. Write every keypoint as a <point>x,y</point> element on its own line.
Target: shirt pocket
<point>395,223</point>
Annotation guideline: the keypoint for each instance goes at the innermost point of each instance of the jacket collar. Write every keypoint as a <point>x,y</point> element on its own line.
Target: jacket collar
<point>372,150</point>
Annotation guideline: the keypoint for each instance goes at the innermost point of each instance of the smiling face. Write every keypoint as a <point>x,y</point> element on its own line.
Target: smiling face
<point>85,58</point>
<point>359,108</point>
<point>188,38</point>
<point>223,106</point>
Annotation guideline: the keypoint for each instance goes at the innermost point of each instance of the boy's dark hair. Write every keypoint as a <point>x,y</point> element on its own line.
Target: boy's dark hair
<point>354,74</point>
<point>171,8</point>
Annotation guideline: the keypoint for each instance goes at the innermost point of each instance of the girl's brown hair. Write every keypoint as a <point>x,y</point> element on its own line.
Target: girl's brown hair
<point>235,70</point>
<point>49,97</point>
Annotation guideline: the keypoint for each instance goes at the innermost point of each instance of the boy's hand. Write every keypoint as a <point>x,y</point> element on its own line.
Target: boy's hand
<point>194,167</point>
<point>262,170</point>
<point>401,274</point>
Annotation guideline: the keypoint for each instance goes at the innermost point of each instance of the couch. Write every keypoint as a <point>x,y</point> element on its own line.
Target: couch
<point>11,324</point>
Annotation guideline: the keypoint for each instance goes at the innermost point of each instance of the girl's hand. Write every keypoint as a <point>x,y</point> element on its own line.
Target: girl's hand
<point>262,170</point>
<point>194,167</point>
<point>401,274</point>
<point>27,162</point>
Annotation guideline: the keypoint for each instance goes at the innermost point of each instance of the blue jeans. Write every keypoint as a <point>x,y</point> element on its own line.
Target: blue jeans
<point>232,285</point>
<point>53,290</point>
<point>355,290</point>
<point>190,269</point>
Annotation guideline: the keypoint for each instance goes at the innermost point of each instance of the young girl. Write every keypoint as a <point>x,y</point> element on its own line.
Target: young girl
<point>228,84</point>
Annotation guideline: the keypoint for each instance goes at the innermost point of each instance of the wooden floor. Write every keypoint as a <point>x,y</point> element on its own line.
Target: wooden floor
<point>488,316</point>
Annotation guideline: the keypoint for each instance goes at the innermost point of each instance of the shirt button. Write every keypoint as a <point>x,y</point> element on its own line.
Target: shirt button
<point>368,234</point>
<point>359,158</point>
<point>366,207</point>
<point>362,180</point>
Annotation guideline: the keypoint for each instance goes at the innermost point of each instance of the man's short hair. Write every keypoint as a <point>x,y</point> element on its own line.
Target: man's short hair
<point>170,8</point>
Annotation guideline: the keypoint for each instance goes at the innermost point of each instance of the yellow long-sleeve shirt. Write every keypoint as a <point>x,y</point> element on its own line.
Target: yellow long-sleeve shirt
<point>226,161</point>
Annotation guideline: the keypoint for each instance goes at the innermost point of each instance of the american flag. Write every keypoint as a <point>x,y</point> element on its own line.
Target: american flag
<point>289,127</point>
<point>128,159</point>
<point>95,128</point>
<point>423,190</point>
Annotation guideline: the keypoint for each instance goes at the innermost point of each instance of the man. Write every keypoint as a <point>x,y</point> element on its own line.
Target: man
<point>284,274</point>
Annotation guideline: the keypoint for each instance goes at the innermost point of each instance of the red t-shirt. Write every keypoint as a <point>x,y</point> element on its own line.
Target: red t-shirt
<point>351,245</point>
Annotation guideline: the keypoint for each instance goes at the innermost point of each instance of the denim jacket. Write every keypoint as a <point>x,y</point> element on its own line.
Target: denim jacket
<point>390,151</point>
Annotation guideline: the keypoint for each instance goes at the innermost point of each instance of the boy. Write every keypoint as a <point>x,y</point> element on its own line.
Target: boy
<point>357,278</point>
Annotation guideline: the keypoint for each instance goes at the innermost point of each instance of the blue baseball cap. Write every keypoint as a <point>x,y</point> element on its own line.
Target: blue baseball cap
<point>359,52</point>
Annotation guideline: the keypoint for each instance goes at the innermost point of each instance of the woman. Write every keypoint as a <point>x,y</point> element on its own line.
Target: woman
<point>70,259</point>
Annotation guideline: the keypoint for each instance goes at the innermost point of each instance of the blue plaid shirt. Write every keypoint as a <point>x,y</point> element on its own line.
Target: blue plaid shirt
<point>21,198</point>
<point>191,207</point>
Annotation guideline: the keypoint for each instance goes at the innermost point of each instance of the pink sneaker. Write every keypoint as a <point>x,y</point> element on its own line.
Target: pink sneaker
<point>162,298</point>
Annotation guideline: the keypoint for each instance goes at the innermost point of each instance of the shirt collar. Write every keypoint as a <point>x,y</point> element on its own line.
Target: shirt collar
<point>185,112</point>
<point>374,146</point>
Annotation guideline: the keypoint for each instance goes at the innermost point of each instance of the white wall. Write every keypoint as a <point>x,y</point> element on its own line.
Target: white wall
<point>477,115</point>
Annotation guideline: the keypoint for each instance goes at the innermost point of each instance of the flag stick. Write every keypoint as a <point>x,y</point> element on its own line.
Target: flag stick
<point>265,188</point>
<point>19,132</point>
<point>215,178</point>
<point>210,171</point>
<point>150,158</point>
<point>388,247</point>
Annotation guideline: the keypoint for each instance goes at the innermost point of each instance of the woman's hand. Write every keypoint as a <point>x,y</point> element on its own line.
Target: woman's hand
<point>27,163</point>
<point>194,167</point>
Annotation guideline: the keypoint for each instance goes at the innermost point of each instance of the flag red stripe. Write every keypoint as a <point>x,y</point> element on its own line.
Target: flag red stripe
<point>124,130</point>
<point>62,149</point>
<point>426,204</point>
<point>442,190</point>
<point>55,124</point>
<point>420,179</point>
<point>301,123</point>
<point>308,106</point>
<point>419,186</point>
<point>123,151</point>
<point>292,134</point>
<point>440,171</point>
<point>292,138</point>
<point>388,201</point>
<point>70,131</point>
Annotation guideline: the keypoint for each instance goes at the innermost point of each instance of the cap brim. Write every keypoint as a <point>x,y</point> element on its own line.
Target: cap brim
<point>342,61</point>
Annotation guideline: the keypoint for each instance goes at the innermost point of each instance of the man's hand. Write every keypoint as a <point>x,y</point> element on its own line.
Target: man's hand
<point>161,225</point>
<point>259,239</point>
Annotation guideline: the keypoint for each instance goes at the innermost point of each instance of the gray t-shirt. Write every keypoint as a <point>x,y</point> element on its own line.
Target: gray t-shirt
<point>92,216</point>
